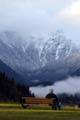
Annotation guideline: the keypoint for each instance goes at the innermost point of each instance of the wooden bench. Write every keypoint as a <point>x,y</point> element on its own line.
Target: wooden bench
<point>26,101</point>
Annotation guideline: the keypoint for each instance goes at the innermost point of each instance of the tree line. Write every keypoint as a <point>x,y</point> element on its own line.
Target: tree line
<point>66,98</point>
<point>10,91</point>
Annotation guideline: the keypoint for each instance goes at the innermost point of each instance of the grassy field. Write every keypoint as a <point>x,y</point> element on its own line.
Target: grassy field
<point>16,112</point>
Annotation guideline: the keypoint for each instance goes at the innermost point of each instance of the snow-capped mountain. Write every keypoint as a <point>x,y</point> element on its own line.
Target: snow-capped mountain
<point>37,61</point>
<point>57,47</point>
<point>19,56</point>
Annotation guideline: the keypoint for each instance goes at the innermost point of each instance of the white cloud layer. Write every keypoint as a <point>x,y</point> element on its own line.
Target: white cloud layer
<point>70,85</point>
<point>26,15</point>
<point>72,12</point>
<point>41,17</point>
<point>30,16</point>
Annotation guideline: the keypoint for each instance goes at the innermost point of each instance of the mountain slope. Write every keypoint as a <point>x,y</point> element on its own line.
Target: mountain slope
<point>10,73</point>
<point>37,63</point>
<point>16,55</point>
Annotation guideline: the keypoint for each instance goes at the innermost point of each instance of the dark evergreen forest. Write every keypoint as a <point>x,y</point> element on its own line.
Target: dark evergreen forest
<point>10,91</point>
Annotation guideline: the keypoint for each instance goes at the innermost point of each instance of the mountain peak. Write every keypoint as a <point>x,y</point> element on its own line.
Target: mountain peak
<point>38,60</point>
<point>57,47</point>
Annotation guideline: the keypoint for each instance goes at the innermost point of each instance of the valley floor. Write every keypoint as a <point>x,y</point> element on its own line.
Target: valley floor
<point>16,112</point>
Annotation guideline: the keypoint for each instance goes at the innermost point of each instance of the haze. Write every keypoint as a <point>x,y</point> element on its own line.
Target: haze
<point>41,17</point>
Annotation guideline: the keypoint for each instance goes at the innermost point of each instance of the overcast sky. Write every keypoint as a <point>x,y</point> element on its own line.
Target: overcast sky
<point>41,16</point>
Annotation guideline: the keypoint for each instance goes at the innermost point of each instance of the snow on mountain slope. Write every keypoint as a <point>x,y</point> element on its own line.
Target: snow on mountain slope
<point>19,57</point>
<point>39,60</point>
<point>56,48</point>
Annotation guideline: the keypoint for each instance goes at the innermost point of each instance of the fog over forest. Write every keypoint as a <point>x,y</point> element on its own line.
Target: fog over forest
<point>70,86</point>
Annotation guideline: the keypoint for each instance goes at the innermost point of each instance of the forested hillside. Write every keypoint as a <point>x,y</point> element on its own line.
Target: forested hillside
<point>10,91</point>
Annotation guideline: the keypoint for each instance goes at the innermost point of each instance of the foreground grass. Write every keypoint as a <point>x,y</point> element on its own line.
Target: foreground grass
<point>16,112</point>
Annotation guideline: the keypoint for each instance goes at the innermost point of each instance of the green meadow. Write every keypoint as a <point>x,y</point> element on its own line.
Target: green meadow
<point>16,112</point>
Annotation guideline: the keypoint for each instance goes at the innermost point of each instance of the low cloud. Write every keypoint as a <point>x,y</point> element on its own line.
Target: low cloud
<point>27,16</point>
<point>40,17</point>
<point>70,85</point>
<point>72,12</point>
<point>30,16</point>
